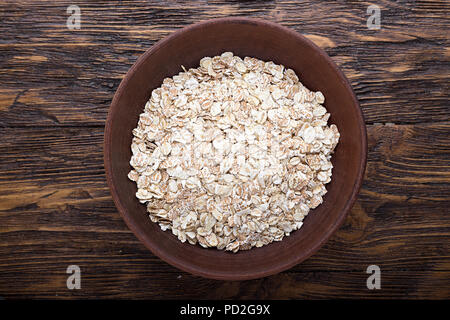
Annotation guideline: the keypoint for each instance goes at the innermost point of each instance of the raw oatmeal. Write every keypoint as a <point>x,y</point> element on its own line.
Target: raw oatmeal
<point>232,154</point>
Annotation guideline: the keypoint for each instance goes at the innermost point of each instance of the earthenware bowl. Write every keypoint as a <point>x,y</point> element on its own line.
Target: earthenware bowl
<point>266,41</point>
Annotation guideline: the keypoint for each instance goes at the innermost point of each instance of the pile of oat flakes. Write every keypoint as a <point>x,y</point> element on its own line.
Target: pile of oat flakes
<point>232,154</point>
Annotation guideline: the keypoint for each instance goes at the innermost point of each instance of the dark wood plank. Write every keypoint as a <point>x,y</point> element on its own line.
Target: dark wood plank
<point>55,210</point>
<point>55,207</point>
<point>115,282</point>
<point>53,76</point>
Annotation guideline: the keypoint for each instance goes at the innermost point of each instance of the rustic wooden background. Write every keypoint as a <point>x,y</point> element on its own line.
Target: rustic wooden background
<point>55,206</point>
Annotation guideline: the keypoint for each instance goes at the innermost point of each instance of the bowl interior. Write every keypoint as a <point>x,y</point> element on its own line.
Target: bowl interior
<point>266,41</point>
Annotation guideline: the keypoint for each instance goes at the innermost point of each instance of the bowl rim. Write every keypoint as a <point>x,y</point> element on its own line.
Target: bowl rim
<point>211,274</point>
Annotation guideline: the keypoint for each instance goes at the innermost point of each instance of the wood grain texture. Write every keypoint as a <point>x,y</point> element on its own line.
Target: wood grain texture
<point>68,77</point>
<point>58,212</point>
<point>55,207</point>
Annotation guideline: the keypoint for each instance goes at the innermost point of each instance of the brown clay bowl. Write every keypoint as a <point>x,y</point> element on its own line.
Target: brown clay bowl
<point>266,41</point>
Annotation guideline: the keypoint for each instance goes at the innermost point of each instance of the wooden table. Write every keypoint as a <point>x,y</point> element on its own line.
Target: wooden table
<point>55,206</point>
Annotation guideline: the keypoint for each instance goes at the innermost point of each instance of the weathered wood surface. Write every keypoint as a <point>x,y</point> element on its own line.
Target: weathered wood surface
<point>55,207</point>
